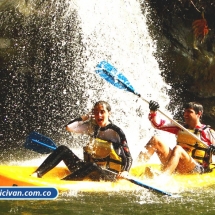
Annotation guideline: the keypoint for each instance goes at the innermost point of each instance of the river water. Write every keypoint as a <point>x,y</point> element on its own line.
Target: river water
<point>126,203</point>
<point>111,30</point>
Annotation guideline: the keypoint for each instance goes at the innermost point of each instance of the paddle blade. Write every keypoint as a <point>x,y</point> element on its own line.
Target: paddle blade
<point>141,184</point>
<point>39,143</point>
<point>111,75</point>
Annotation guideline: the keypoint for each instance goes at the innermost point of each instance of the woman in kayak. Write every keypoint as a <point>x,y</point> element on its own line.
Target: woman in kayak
<point>189,155</point>
<point>106,156</point>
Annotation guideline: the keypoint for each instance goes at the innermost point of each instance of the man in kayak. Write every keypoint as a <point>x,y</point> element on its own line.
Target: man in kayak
<point>189,155</point>
<point>106,156</point>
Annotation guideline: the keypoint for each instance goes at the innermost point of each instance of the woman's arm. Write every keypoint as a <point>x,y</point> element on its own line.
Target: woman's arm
<point>78,125</point>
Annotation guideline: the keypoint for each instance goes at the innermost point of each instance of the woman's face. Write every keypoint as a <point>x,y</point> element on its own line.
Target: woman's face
<point>101,115</point>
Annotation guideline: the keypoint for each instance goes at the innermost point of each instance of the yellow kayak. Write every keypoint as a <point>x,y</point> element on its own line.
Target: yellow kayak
<point>21,176</point>
<point>175,182</point>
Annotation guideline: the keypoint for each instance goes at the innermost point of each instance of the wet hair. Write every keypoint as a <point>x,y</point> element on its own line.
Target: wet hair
<point>108,107</point>
<point>197,107</point>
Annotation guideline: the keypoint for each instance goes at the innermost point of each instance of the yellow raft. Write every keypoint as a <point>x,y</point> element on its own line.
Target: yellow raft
<point>21,176</point>
<point>175,182</point>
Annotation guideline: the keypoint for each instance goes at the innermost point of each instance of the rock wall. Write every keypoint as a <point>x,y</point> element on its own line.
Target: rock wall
<point>186,51</point>
<point>35,85</point>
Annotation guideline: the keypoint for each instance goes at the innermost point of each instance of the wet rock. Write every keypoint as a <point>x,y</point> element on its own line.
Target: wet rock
<point>188,63</point>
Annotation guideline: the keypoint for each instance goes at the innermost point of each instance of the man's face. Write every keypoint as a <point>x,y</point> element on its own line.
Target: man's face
<point>101,115</point>
<point>191,117</point>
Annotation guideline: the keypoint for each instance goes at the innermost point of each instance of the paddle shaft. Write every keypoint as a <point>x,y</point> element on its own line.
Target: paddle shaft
<point>140,183</point>
<point>117,79</point>
<point>175,122</point>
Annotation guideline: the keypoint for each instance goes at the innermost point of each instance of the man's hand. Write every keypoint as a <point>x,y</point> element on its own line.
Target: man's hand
<point>211,149</point>
<point>153,105</point>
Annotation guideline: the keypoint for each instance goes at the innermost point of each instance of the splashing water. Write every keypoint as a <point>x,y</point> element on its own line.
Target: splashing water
<point>68,39</point>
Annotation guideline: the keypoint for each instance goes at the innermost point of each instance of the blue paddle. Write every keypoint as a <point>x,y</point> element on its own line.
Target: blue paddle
<point>110,74</point>
<point>44,145</point>
<point>117,79</point>
<point>39,143</point>
<point>141,184</point>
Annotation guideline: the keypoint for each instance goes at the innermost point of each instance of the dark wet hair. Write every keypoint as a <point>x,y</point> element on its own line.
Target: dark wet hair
<point>197,107</point>
<point>103,103</point>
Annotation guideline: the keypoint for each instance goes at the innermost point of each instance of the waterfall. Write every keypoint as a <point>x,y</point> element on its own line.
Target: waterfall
<point>59,46</point>
<point>116,31</point>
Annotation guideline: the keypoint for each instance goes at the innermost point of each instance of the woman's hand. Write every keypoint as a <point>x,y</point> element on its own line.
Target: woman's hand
<point>87,116</point>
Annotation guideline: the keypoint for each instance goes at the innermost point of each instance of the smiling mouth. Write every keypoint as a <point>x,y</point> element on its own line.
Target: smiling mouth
<point>187,119</point>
